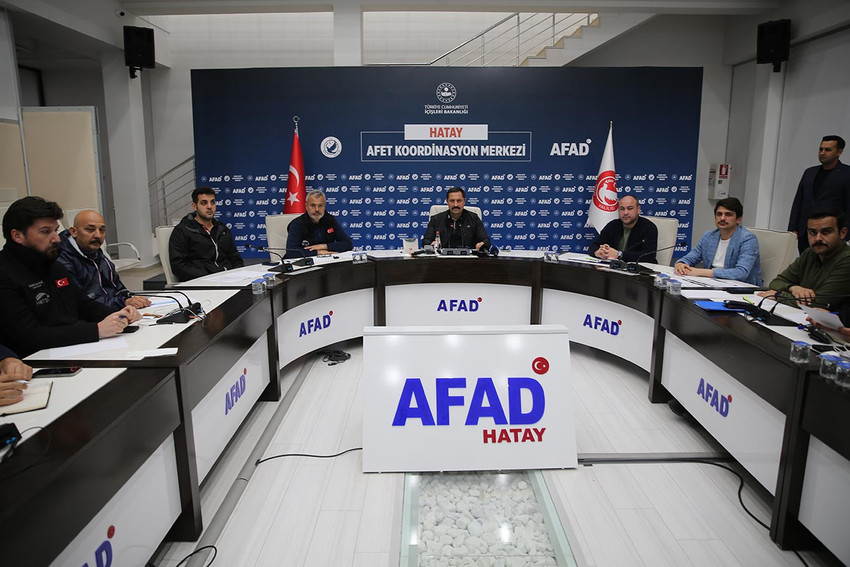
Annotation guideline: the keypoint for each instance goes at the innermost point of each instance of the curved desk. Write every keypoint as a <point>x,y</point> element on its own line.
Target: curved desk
<point>700,358</point>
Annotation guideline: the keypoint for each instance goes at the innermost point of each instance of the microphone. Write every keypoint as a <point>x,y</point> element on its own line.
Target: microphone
<point>264,249</point>
<point>619,264</point>
<point>303,259</point>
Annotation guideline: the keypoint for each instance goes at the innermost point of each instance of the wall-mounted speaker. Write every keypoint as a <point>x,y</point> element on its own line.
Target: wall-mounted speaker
<point>139,48</point>
<point>773,42</point>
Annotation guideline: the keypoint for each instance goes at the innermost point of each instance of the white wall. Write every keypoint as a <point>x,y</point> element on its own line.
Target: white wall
<point>682,41</point>
<point>223,42</point>
<point>815,104</point>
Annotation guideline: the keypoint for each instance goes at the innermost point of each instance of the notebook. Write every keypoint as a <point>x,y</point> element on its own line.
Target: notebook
<point>36,397</point>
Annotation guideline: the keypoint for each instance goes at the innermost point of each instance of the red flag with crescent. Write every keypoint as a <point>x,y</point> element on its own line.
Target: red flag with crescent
<point>296,187</point>
<point>603,207</point>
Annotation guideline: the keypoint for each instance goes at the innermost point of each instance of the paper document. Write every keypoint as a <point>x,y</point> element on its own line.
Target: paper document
<point>35,397</point>
<point>109,343</point>
<point>826,318</point>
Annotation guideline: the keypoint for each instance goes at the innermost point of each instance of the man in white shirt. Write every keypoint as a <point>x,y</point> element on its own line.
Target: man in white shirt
<point>729,252</point>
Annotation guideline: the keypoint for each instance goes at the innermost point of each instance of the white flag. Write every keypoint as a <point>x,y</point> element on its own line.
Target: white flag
<point>603,207</point>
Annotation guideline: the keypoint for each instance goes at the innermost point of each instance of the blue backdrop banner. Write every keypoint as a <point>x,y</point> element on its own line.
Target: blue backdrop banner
<point>384,144</point>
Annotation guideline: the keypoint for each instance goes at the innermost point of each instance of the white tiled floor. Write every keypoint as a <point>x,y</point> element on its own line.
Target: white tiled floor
<point>326,512</point>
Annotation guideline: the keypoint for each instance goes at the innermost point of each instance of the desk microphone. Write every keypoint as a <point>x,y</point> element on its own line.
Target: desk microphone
<point>303,259</point>
<point>620,264</point>
<point>264,249</point>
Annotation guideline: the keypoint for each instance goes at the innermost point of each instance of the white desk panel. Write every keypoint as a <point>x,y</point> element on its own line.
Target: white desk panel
<point>601,324</point>
<point>747,426</point>
<point>458,304</point>
<point>128,530</point>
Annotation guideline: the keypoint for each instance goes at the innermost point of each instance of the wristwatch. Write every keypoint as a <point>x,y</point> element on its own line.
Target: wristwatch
<point>619,254</point>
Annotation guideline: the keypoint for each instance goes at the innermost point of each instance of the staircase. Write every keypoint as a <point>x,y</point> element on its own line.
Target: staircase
<point>538,39</point>
<point>585,39</point>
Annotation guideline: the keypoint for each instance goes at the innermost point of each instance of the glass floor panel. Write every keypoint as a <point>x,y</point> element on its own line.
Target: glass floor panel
<point>481,518</point>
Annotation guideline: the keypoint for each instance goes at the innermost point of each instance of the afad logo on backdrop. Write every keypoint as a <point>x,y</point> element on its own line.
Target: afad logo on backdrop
<point>315,324</point>
<point>602,324</point>
<point>236,391</point>
<point>713,397</point>
<point>103,553</point>
<point>486,402</point>
<point>458,305</point>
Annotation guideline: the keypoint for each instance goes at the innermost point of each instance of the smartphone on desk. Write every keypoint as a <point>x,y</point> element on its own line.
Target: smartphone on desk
<point>60,372</point>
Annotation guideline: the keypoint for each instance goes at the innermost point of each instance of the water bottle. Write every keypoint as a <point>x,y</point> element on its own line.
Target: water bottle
<point>437,243</point>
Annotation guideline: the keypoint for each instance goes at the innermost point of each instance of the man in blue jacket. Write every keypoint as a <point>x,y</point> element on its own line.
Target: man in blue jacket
<point>729,252</point>
<point>316,232</point>
<point>80,251</point>
<point>824,186</point>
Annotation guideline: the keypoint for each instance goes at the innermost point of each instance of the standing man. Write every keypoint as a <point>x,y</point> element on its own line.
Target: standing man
<point>317,232</point>
<point>824,186</point>
<point>200,244</point>
<point>729,252</point>
<point>41,307</point>
<point>630,238</point>
<point>821,275</point>
<point>458,227</point>
<point>80,251</point>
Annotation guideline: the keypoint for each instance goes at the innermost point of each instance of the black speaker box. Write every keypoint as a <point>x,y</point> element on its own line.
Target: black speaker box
<point>139,47</point>
<point>774,41</point>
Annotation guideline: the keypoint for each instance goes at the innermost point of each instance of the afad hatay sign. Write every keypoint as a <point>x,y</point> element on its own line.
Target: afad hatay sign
<point>467,398</point>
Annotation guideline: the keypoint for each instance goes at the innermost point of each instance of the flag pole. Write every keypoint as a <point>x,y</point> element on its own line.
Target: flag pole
<point>296,119</point>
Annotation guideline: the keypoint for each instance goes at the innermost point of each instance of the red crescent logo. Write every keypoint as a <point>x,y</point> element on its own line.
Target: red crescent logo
<point>605,195</point>
<point>540,365</point>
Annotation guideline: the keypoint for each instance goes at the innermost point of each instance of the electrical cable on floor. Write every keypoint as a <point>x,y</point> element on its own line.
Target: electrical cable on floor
<point>333,357</point>
<point>706,462</point>
<point>308,455</point>
<point>215,552</point>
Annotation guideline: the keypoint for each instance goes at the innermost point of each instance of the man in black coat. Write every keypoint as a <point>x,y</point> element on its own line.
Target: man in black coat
<point>630,238</point>
<point>42,307</point>
<point>824,186</point>
<point>200,244</point>
<point>316,232</point>
<point>458,227</point>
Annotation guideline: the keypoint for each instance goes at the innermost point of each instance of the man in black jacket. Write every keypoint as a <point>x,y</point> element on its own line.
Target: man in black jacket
<point>316,232</point>
<point>81,252</point>
<point>631,237</point>
<point>458,227</point>
<point>200,244</point>
<point>43,308</point>
<point>824,186</point>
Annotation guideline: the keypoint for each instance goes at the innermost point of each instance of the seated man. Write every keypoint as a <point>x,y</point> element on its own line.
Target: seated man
<point>821,275</point>
<point>729,252</point>
<point>316,232</point>
<point>458,227</point>
<point>42,307</point>
<point>13,375</point>
<point>630,238</point>
<point>200,244</point>
<point>90,269</point>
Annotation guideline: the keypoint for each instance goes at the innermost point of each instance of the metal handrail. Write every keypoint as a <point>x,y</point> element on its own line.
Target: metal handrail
<point>179,165</point>
<point>497,24</point>
<point>514,41</point>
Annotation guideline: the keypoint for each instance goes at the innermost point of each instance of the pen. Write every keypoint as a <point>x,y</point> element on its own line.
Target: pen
<point>748,300</point>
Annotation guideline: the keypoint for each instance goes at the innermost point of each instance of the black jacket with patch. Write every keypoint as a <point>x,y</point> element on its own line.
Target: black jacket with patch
<point>41,307</point>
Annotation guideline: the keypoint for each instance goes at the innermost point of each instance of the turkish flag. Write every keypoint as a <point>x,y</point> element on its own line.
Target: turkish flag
<point>603,207</point>
<point>296,187</point>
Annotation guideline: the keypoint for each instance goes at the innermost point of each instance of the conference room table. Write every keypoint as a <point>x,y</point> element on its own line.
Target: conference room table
<point>774,410</point>
<point>220,366</point>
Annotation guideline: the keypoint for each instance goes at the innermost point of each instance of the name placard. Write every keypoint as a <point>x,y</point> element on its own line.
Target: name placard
<point>467,398</point>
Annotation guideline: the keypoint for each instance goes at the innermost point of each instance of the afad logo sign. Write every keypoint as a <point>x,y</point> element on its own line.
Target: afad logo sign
<point>458,305</point>
<point>315,324</point>
<point>713,397</point>
<point>103,553</point>
<point>485,402</point>
<point>235,392</point>
<point>602,325</point>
